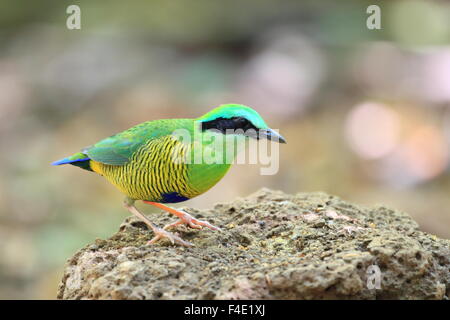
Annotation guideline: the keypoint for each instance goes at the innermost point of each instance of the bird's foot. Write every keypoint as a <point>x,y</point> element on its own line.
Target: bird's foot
<point>186,218</point>
<point>161,233</point>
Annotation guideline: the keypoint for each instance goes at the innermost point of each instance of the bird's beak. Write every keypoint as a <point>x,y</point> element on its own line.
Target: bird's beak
<point>272,135</point>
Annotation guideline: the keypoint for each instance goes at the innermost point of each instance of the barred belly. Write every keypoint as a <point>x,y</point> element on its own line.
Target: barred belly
<point>152,174</point>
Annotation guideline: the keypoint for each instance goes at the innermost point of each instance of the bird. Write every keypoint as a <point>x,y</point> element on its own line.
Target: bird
<point>158,161</point>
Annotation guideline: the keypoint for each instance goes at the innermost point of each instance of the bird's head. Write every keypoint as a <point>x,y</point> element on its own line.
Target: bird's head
<point>243,120</point>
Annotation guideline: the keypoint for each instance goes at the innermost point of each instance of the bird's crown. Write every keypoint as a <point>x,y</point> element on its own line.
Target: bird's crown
<point>237,112</point>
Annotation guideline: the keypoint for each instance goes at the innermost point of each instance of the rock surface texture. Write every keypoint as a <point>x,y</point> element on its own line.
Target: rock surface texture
<point>273,246</point>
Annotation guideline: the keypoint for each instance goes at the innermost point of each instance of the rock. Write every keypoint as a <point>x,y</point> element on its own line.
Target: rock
<point>273,246</point>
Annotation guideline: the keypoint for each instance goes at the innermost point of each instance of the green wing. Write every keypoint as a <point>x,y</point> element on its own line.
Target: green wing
<point>119,148</point>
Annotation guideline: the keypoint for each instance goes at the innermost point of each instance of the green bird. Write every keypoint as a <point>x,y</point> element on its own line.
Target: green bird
<point>173,160</point>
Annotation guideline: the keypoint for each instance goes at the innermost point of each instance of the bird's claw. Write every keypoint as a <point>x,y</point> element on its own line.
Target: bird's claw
<point>161,233</point>
<point>193,223</point>
<point>198,224</point>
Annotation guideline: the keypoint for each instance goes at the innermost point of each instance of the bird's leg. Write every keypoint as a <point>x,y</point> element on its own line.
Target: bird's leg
<point>159,233</point>
<point>185,218</point>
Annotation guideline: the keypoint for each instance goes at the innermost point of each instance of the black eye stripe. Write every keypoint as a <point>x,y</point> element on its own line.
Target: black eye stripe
<point>223,124</point>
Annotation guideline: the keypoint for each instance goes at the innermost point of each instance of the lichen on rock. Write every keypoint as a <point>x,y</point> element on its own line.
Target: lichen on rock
<point>273,246</point>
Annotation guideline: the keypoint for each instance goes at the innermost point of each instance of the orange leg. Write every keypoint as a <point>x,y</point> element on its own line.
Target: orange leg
<point>185,218</point>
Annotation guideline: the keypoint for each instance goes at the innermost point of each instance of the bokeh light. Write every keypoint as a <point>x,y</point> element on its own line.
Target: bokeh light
<point>366,113</point>
<point>373,130</point>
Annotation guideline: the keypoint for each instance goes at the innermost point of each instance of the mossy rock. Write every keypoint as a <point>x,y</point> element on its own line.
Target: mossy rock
<point>272,246</point>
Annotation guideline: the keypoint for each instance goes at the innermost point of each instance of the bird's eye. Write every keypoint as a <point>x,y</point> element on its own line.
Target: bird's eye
<point>240,123</point>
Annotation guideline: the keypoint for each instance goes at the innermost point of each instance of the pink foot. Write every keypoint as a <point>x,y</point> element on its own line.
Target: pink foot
<point>189,220</point>
<point>161,233</point>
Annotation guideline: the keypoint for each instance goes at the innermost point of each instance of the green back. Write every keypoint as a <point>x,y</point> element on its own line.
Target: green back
<point>119,148</point>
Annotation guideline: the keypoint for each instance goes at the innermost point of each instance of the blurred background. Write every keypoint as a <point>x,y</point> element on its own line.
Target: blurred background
<point>366,112</point>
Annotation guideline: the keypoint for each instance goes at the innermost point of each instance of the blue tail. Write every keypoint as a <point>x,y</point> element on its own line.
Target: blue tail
<point>79,160</point>
<point>67,161</point>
